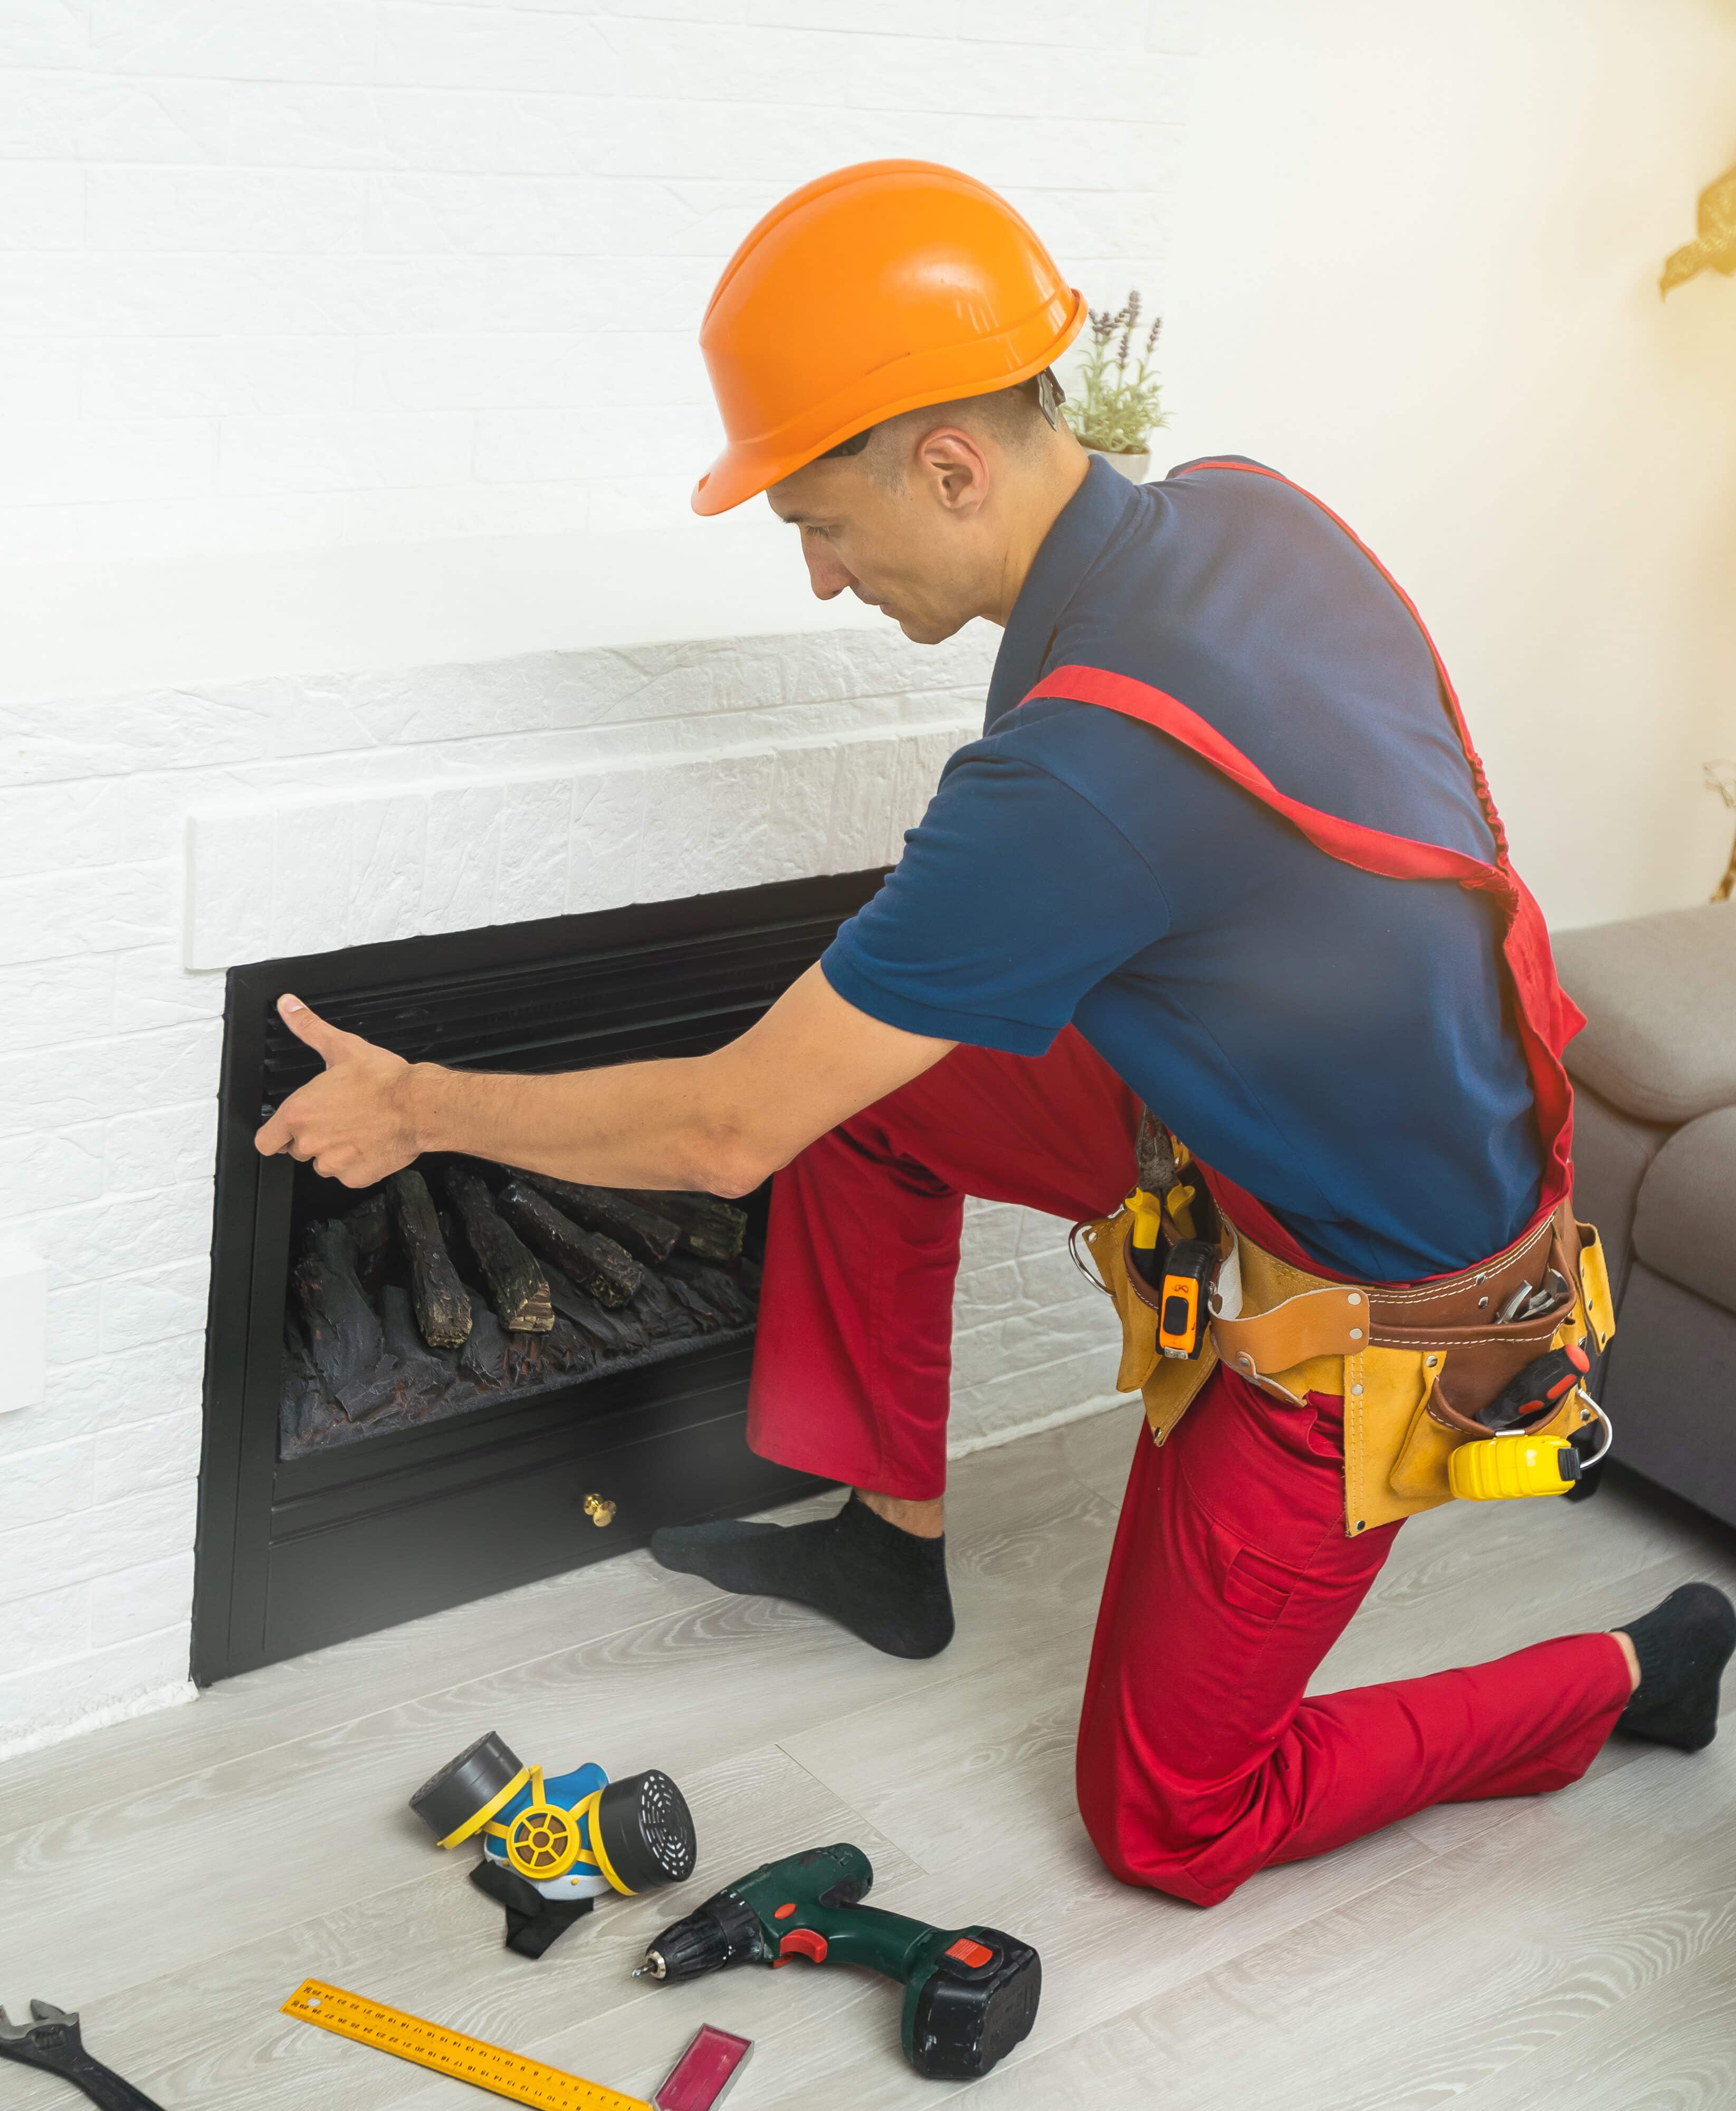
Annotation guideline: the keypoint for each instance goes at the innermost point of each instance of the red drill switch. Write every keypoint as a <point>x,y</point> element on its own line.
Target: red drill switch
<point>804,1942</point>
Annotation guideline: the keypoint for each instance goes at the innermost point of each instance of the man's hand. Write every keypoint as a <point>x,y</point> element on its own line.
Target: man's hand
<point>353,1124</point>
<point>721,1122</point>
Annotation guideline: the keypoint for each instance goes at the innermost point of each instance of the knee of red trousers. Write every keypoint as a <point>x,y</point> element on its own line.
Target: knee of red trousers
<point>1162,1836</point>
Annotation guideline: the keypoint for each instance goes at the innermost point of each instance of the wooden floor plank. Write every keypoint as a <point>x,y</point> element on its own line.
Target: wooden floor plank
<point>1469,1978</point>
<point>176,1878</point>
<point>679,1692</point>
<point>208,2036</point>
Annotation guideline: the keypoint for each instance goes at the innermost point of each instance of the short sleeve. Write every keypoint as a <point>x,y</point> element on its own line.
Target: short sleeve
<point>1014,897</point>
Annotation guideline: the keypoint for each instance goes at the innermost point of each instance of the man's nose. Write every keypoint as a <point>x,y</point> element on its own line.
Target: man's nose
<point>826,574</point>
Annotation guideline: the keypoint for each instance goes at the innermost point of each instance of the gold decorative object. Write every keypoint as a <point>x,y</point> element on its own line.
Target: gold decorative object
<point>600,1510</point>
<point>1721,776</point>
<point>1716,249</point>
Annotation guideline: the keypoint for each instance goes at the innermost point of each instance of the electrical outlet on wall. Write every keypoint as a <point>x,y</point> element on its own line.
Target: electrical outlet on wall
<point>24,1325</point>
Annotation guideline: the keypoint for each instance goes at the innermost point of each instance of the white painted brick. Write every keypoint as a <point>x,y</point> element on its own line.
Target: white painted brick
<point>609,819</point>
<point>178,376</point>
<point>152,987</point>
<point>448,46</point>
<point>47,459</point>
<point>105,1393</point>
<point>524,447</point>
<point>146,1456</point>
<point>386,865</point>
<point>99,910</point>
<point>313,40</point>
<point>41,205</point>
<point>41,1170</point>
<point>531,880</point>
<point>227,209</point>
<point>121,1234</point>
<point>50,1624</point>
<point>42,1484</point>
<point>55,1001</point>
<point>342,451</point>
<point>170,1147</point>
<point>43,33</point>
<point>229,883</point>
<point>313,889</point>
<point>124,736</point>
<point>463,855</point>
<point>141,1601</point>
<point>66,1690</point>
<point>140,1309</point>
<point>168,1066</point>
<point>103,821</point>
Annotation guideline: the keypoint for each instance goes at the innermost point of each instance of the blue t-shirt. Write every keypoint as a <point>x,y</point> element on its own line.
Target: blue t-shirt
<point>1338,1044</point>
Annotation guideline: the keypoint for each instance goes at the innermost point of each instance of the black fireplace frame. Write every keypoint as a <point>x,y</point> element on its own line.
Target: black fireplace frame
<point>293,1555</point>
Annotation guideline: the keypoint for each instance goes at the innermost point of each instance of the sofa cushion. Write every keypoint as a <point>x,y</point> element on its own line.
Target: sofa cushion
<point>1659,996</point>
<point>1685,1224</point>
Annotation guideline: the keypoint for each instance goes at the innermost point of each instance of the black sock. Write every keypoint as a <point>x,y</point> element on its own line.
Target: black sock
<point>1683,1646</point>
<point>887,1585</point>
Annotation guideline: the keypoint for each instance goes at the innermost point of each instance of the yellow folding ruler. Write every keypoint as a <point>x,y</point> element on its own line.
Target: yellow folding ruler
<point>449,2052</point>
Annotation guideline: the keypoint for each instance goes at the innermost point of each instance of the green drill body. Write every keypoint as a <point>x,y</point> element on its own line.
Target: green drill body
<point>970,1993</point>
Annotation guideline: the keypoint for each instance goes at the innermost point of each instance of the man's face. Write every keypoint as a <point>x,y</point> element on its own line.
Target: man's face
<point>900,546</point>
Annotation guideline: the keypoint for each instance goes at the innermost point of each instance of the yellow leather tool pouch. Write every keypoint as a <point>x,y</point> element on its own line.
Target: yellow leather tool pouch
<point>1168,1384</point>
<point>1412,1363</point>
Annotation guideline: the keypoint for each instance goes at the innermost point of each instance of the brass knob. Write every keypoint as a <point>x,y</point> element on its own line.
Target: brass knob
<point>600,1510</point>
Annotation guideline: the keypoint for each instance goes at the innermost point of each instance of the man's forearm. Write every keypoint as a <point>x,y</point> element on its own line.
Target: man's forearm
<point>634,1125</point>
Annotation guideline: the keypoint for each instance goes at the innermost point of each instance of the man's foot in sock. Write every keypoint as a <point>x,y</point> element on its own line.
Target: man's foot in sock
<point>1683,1645</point>
<point>889,1586</point>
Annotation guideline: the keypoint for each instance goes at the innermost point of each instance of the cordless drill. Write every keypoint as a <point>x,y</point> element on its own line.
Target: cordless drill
<point>970,1993</point>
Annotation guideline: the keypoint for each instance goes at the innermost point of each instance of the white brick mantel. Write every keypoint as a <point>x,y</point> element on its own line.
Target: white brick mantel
<point>147,843</point>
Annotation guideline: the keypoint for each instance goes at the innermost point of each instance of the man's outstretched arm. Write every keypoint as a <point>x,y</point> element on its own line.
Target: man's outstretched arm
<point>720,1123</point>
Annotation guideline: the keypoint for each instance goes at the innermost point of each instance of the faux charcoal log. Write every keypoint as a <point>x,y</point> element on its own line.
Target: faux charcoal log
<point>484,1356</point>
<point>620,1217</point>
<point>665,1315</point>
<point>516,1284</point>
<point>711,1228</point>
<point>717,1287</point>
<point>344,1341</point>
<point>427,1372</point>
<point>383,1388</point>
<point>442,1303</point>
<point>612,1334</point>
<point>569,1351</point>
<point>370,1224</point>
<point>592,1262</point>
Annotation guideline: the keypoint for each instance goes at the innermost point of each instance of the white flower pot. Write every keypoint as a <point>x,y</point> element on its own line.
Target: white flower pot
<point>1135,468</point>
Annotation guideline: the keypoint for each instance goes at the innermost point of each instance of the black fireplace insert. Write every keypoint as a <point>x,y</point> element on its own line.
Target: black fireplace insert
<point>469,1376</point>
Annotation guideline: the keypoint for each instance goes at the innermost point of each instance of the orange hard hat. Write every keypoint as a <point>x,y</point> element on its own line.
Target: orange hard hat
<point>874,290</point>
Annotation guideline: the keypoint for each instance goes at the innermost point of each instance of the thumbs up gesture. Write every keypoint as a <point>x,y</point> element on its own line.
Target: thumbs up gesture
<point>353,1124</point>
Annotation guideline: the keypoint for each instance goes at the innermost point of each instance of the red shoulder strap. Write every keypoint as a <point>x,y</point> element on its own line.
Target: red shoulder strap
<point>1546,1017</point>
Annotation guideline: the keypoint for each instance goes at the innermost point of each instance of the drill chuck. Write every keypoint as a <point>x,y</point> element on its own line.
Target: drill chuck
<point>724,1930</point>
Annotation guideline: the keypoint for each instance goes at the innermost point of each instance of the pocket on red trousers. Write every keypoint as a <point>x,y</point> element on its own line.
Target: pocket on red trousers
<point>1251,1582</point>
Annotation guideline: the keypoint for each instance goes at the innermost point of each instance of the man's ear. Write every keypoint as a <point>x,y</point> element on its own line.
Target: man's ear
<point>951,463</point>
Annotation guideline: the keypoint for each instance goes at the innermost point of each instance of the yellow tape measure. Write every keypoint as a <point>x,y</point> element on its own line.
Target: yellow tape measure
<point>449,2052</point>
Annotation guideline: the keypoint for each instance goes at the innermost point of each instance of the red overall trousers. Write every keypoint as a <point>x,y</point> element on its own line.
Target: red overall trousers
<point>1199,1759</point>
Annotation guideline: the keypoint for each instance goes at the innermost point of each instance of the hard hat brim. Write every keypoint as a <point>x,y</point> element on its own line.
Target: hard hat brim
<point>746,468</point>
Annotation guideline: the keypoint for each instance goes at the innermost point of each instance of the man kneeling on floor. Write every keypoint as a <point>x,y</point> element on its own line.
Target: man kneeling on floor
<point>1224,851</point>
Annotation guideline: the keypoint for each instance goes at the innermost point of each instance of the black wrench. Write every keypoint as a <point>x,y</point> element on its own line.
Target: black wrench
<point>53,2042</point>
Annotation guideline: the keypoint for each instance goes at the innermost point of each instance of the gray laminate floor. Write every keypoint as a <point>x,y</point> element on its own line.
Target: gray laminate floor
<point>176,1878</point>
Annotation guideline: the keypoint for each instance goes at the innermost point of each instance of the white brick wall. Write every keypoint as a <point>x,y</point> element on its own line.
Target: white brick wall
<point>147,842</point>
<point>284,273</point>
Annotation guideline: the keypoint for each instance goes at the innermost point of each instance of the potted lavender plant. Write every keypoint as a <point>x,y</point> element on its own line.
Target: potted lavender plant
<point>1114,407</point>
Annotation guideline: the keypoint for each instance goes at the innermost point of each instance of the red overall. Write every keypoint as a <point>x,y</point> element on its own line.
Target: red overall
<point>1199,1759</point>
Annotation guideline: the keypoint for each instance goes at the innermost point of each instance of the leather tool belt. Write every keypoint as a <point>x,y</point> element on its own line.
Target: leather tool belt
<point>1413,1362</point>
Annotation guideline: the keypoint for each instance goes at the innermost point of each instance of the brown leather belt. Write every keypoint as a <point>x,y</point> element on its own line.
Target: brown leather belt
<point>1455,1313</point>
